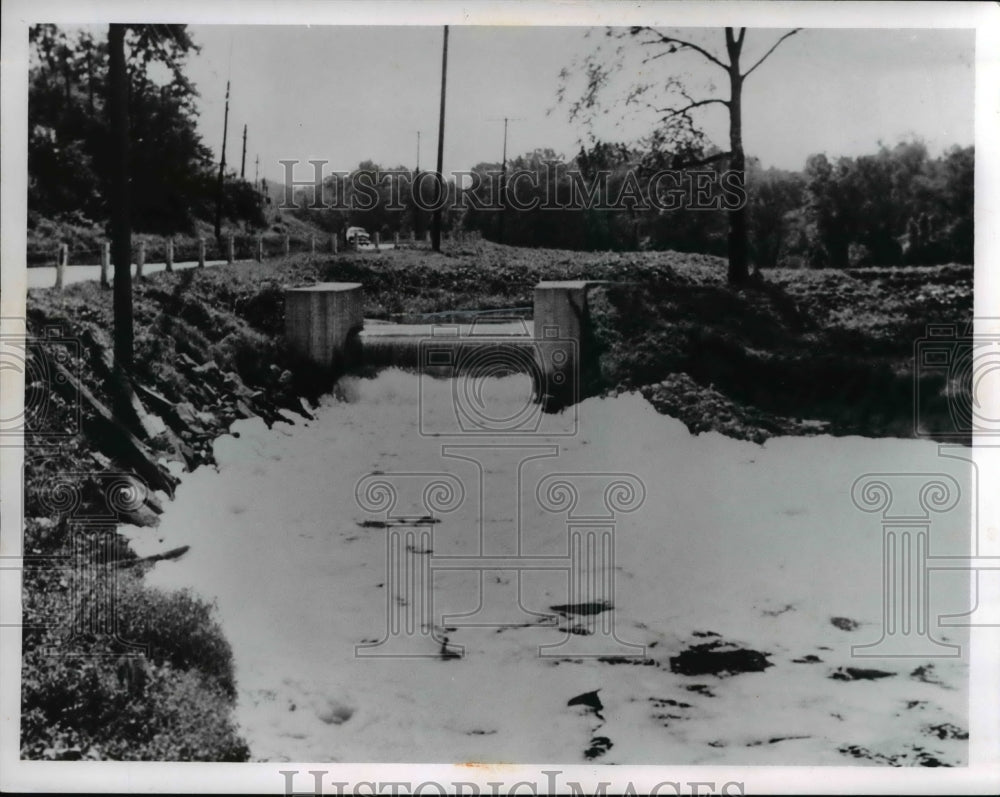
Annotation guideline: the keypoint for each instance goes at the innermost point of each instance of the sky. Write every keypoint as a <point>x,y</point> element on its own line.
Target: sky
<point>353,93</point>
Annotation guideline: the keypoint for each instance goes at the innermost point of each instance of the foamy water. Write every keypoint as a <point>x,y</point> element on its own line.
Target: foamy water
<point>760,545</point>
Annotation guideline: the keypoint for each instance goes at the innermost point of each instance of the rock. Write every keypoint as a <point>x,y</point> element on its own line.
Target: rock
<point>141,516</point>
<point>100,459</point>
<point>718,658</point>
<point>599,745</point>
<point>588,699</point>
<point>236,386</point>
<point>186,362</point>
<point>859,674</point>
<point>582,608</point>
<point>209,369</point>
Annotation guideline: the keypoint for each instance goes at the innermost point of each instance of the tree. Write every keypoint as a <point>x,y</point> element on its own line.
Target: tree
<point>152,42</point>
<point>121,225</point>
<point>678,126</point>
<point>71,154</point>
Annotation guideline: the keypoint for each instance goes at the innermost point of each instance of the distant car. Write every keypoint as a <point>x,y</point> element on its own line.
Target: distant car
<point>357,235</point>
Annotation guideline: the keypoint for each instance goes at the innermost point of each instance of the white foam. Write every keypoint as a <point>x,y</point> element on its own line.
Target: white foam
<point>760,544</point>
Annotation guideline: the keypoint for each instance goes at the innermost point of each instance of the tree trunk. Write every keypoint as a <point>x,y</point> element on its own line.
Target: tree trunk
<point>738,261</point>
<point>121,227</point>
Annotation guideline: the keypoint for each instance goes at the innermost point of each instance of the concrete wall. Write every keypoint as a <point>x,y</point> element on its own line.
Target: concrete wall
<point>319,320</point>
<point>560,321</point>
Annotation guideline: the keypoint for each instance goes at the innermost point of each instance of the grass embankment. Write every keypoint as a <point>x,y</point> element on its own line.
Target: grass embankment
<point>799,353</point>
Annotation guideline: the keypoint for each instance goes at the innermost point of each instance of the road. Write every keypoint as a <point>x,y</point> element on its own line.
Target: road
<point>45,276</point>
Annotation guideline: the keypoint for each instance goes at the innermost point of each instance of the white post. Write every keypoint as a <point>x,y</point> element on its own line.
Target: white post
<point>201,252</point>
<point>333,243</point>
<point>62,260</point>
<point>377,238</point>
<point>105,262</point>
<point>140,260</point>
<point>395,239</point>
<point>260,248</point>
<point>230,249</point>
<point>170,254</point>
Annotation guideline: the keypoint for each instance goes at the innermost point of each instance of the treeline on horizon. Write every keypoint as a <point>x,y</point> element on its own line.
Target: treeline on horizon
<point>896,206</point>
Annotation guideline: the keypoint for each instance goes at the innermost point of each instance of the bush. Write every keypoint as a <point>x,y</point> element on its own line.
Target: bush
<point>248,353</point>
<point>178,628</point>
<point>83,698</point>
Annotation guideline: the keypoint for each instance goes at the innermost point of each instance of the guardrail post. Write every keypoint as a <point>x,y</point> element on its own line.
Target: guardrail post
<point>260,248</point>
<point>377,240</point>
<point>61,261</point>
<point>333,243</point>
<point>105,262</point>
<point>201,253</point>
<point>170,254</point>
<point>286,245</point>
<point>230,249</point>
<point>395,239</point>
<point>140,260</point>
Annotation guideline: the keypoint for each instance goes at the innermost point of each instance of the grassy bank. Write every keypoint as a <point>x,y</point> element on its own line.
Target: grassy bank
<point>798,353</point>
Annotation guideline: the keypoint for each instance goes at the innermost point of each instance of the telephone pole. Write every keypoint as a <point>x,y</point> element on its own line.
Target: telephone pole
<point>222,168</point>
<point>503,177</point>
<point>243,162</point>
<point>417,231</point>
<point>436,227</point>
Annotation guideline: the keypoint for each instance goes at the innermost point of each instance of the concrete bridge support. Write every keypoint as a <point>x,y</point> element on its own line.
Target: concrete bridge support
<point>561,320</point>
<point>319,321</point>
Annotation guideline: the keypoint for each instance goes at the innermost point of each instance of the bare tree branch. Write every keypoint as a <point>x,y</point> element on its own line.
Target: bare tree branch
<point>773,48</point>
<point>703,161</point>
<point>690,107</point>
<point>662,38</point>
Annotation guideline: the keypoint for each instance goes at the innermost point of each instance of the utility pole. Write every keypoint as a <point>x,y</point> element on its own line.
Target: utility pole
<point>417,232</point>
<point>243,162</point>
<point>503,177</point>
<point>222,169</point>
<point>503,184</point>
<point>436,227</point>
<point>256,172</point>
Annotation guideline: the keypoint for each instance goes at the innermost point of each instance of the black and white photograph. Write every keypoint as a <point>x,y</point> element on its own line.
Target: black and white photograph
<point>500,398</point>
